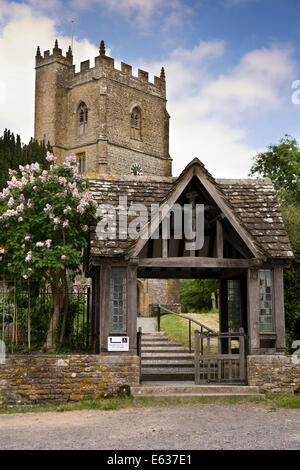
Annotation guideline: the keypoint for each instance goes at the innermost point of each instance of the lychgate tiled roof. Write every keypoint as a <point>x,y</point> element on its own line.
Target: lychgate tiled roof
<point>253,201</point>
<point>146,190</point>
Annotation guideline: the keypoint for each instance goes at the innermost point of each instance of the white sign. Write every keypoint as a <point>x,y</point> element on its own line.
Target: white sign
<point>118,343</point>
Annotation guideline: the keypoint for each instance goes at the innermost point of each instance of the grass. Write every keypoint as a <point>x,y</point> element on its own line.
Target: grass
<point>177,329</point>
<point>284,401</point>
<point>273,402</point>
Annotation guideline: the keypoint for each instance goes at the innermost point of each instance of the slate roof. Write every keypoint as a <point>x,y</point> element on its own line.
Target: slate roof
<point>253,202</point>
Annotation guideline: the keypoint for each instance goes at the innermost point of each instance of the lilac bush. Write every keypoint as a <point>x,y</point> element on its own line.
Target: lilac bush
<point>45,217</point>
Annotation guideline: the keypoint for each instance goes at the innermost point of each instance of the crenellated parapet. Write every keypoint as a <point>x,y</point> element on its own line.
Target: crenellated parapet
<point>56,56</point>
<point>104,67</point>
<point>106,136</point>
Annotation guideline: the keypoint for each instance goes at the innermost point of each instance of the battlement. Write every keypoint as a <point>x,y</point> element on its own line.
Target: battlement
<point>56,55</point>
<point>103,63</point>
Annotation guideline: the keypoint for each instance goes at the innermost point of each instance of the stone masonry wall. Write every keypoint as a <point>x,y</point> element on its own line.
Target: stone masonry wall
<point>27,379</point>
<point>275,374</point>
<point>110,95</point>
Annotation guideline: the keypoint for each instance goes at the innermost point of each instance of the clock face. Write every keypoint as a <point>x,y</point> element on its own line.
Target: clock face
<point>136,169</point>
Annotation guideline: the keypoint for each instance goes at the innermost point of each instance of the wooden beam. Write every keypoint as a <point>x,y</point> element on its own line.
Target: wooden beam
<point>173,273</point>
<point>131,307</point>
<point>211,189</point>
<point>253,310</point>
<point>171,200</point>
<point>164,248</point>
<point>104,286</point>
<point>278,303</point>
<point>198,262</point>
<point>220,239</point>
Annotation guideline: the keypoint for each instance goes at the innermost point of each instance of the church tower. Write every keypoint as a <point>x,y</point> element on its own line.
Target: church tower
<point>114,122</point>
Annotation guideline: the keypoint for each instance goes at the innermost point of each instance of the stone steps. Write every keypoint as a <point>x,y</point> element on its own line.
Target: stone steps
<point>165,360</point>
<point>162,359</point>
<point>167,356</point>
<point>188,392</point>
<point>170,363</point>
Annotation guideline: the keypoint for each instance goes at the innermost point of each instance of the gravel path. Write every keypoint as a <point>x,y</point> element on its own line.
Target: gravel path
<point>244,426</point>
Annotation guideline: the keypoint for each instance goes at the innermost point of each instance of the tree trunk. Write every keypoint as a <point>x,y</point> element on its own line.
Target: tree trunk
<point>66,308</point>
<point>57,299</point>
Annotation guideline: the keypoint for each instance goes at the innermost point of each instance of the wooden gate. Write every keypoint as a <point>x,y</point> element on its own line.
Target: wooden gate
<point>220,357</point>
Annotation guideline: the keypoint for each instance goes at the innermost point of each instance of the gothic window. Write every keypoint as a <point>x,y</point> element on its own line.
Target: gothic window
<point>266,308</point>
<point>81,162</point>
<point>82,119</point>
<point>135,124</point>
<point>118,300</point>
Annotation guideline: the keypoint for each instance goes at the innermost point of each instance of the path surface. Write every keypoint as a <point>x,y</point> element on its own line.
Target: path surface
<point>148,324</point>
<point>245,426</point>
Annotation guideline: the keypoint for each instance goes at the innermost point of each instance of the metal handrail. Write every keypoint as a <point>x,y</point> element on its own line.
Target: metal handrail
<point>202,326</point>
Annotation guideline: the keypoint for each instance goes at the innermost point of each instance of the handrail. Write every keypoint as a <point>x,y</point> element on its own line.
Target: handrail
<point>209,330</point>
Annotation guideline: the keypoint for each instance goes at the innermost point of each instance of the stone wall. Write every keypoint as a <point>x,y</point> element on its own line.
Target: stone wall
<point>110,95</point>
<point>275,374</point>
<point>26,379</point>
<point>158,291</point>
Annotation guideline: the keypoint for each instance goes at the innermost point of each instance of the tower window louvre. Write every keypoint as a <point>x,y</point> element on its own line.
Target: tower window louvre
<point>135,124</point>
<point>82,119</point>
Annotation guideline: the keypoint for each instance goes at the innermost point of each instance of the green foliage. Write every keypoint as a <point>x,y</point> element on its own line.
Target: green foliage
<point>13,153</point>
<point>195,294</point>
<point>44,220</point>
<point>282,165</point>
<point>291,216</point>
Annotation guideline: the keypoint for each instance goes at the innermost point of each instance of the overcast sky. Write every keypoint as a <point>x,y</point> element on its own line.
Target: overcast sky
<point>230,65</point>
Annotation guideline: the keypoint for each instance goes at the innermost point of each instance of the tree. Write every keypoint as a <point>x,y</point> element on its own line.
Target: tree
<point>195,294</point>
<point>45,217</point>
<point>281,163</point>
<point>13,153</point>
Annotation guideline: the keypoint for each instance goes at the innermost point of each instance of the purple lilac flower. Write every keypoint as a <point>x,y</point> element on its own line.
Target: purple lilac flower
<point>67,210</point>
<point>50,157</point>
<point>10,202</point>
<point>47,208</point>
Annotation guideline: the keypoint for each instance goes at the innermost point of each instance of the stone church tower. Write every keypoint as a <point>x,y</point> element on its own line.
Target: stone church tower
<point>115,123</point>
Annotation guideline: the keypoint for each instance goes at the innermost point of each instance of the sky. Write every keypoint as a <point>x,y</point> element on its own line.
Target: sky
<point>230,67</point>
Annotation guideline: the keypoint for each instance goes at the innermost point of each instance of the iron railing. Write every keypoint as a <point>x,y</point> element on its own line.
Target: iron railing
<point>25,316</point>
